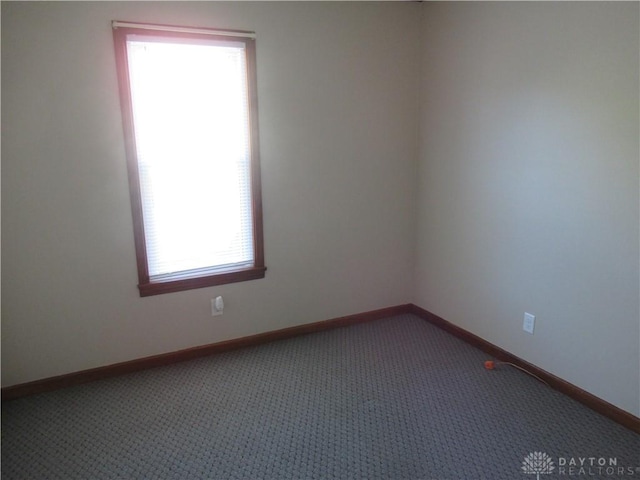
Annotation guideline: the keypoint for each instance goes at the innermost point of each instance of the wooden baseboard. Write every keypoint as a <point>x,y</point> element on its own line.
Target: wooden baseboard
<point>84,376</point>
<point>616,414</point>
<point>54,383</point>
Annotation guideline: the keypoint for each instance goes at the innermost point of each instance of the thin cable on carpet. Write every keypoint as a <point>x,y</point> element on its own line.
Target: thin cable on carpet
<point>490,365</point>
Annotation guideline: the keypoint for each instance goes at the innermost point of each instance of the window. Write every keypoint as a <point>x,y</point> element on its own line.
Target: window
<point>189,108</point>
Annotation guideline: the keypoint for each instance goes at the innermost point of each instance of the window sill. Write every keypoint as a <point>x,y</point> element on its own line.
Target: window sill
<point>159,287</point>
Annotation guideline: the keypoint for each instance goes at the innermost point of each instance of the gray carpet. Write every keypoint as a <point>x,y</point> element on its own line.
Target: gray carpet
<point>391,399</point>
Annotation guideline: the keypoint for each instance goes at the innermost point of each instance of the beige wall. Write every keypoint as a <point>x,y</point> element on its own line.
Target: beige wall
<point>338,111</point>
<point>529,184</point>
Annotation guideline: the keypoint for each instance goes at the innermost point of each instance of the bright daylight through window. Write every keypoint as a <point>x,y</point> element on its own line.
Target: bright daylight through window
<point>188,100</point>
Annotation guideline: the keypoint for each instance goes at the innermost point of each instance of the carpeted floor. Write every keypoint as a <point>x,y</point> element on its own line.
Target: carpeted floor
<point>391,399</point>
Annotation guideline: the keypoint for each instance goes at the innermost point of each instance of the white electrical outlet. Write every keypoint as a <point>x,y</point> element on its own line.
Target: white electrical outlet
<point>217,306</point>
<point>529,323</point>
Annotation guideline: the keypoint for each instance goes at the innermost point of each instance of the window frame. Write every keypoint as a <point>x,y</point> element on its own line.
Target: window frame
<point>146,285</point>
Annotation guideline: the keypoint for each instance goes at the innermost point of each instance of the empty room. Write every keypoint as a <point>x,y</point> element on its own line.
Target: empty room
<point>317,240</point>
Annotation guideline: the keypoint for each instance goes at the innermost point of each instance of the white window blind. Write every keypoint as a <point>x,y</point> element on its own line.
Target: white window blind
<point>191,122</point>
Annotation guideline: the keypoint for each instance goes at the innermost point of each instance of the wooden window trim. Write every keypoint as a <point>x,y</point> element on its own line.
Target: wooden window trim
<point>146,286</point>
